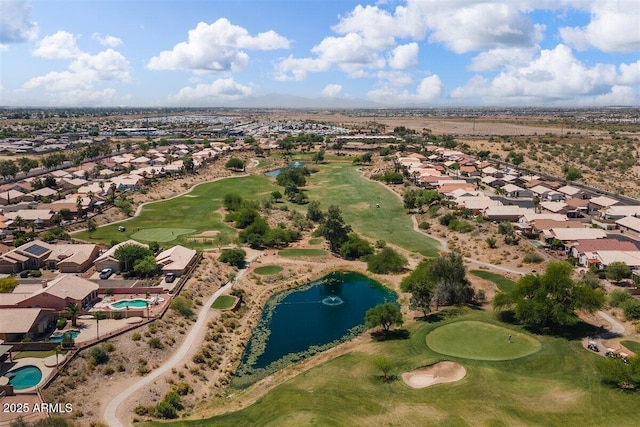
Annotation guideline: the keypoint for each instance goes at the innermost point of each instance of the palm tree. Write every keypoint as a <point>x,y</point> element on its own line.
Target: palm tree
<point>73,311</point>
<point>98,316</point>
<point>19,222</point>
<point>58,350</point>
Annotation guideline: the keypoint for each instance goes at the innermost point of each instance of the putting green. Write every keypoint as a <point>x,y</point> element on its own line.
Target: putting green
<point>302,252</point>
<point>481,341</point>
<point>268,270</point>
<point>160,234</point>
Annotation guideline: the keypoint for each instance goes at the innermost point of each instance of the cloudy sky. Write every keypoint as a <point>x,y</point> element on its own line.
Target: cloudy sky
<point>387,53</point>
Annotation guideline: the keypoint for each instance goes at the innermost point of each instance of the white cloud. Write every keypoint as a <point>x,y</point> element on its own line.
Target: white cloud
<point>614,27</point>
<point>108,40</point>
<point>60,45</point>
<point>216,47</point>
<point>428,90</point>
<point>404,56</point>
<point>554,76</point>
<point>496,59</point>
<point>210,94</point>
<point>16,24</point>
<point>466,26</point>
<point>299,67</point>
<point>332,90</point>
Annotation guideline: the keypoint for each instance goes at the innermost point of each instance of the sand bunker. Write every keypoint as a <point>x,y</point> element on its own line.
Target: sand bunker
<point>442,372</point>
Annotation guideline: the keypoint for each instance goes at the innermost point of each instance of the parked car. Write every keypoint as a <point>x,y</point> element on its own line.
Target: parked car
<point>105,273</point>
<point>169,278</point>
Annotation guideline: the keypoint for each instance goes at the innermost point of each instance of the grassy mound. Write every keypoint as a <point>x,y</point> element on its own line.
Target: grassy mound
<point>632,345</point>
<point>224,302</point>
<point>268,270</point>
<point>504,284</point>
<point>481,341</point>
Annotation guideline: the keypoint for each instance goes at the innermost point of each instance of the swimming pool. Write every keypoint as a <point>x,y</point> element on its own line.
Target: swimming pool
<point>58,337</point>
<point>131,303</point>
<point>25,377</point>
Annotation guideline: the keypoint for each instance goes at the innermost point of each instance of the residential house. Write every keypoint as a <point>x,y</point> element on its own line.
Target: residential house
<point>516,192</point>
<point>176,260</point>
<point>108,259</point>
<point>9,197</point>
<point>72,258</point>
<point>38,217</point>
<point>619,211</point>
<point>29,256</point>
<point>629,223</point>
<point>19,323</point>
<point>601,202</point>
<point>584,250</point>
<point>510,213</point>
<point>573,234</point>
<point>62,291</point>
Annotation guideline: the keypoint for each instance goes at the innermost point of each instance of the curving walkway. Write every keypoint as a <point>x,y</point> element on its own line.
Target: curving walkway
<point>111,411</point>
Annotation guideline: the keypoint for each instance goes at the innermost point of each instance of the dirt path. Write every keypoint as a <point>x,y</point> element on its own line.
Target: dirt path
<point>111,415</point>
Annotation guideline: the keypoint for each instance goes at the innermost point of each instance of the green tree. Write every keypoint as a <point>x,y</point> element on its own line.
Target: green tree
<point>129,254</point>
<point>384,365</point>
<point>313,211</point>
<point>385,315</point>
<point>235,164</point>
<point>276,195</point>
<point>542,300</point>
<point>617,271</point>
<point>146,267</point>
<point>614,372</point>
<point>8,284</point>
<point>99,356</point>
<point>233,257</point>
<point>335,231</point>
<point>91,225</point>
<point>386,261</point>
<point>318,157</point>
<point>355,247</point>
<point>421,286</point>
<point>572,174</point>
<point>72,311</point>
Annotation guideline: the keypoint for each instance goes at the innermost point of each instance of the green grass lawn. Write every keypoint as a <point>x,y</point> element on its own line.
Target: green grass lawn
<point>224,302</point>
<point>504,284</point>
<point>481,341</point>
<point>302,252</point>
<point>556,386</point>
<point>341,184</point>
<point>632,345</point>
<point>37,353</point>
<point>192,214</point>
<point>268,269</point>
<point>316,241</point>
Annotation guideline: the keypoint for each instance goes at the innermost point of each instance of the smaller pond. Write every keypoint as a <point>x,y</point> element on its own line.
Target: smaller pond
<point>277,172</point>
<point>298,323</point>
<point>25,377</point>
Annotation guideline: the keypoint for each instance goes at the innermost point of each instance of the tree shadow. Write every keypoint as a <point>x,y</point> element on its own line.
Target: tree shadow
<point>394,334</point>
<point>573,332</point>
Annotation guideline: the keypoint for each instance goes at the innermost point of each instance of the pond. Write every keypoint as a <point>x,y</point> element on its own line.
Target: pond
<point>277,172</point>
<point>295,324</point>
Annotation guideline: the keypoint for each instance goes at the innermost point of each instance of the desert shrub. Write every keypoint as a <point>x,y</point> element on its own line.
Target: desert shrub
<point>631,309</point>
<point>61,323</point>
<point>533,258</point>
<point>99,356</point>
<point>155,343</point>
<point>117,315</point>
<point>183,306</point>
<point>617,297</point>
<point>424,225</point>
<point>136,336</point>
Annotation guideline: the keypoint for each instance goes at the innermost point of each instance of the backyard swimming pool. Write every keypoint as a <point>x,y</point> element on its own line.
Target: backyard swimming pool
<point>25,377</point>
<point>131,303</point>
<point>57,337</point>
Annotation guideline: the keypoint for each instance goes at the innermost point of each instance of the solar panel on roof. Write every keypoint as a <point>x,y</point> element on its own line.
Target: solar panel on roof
<point>36,250</point>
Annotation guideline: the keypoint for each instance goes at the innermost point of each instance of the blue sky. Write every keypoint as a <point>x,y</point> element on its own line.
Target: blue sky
<point>390,53</point>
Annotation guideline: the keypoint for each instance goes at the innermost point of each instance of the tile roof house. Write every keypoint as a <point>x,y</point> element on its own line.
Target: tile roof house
<point>584,250</point>
<point>72,258</point>
<point>108,259</point>
<point>19,323</point>
<point>176,260</point>
<point>61,291</point>
<point>31,255</point>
